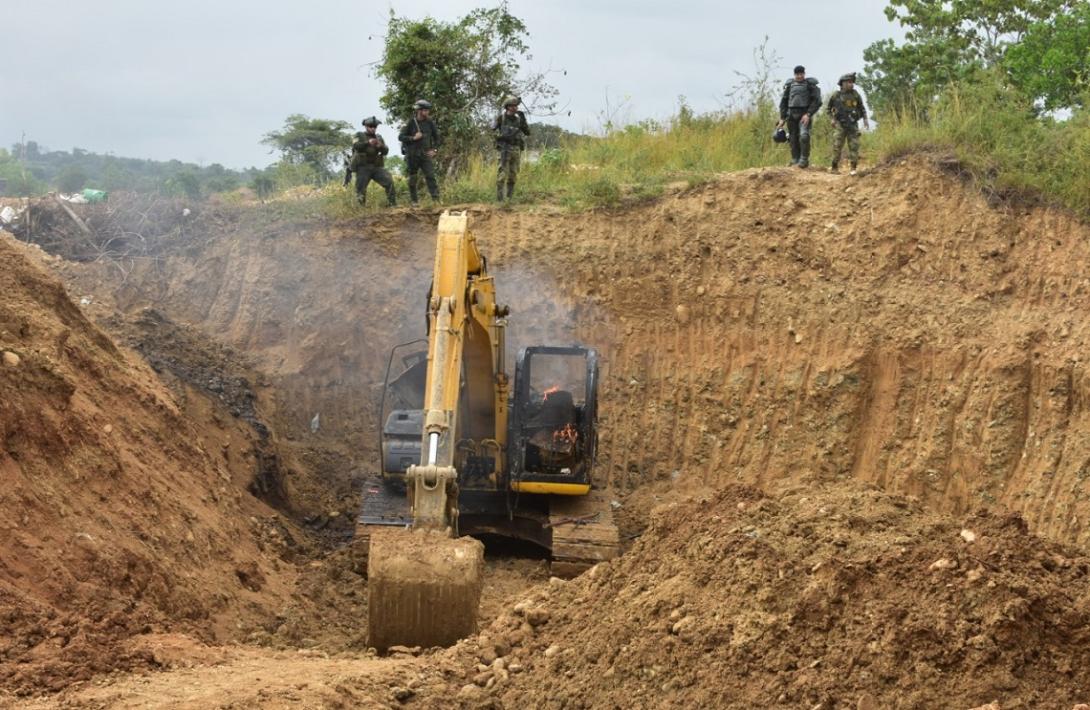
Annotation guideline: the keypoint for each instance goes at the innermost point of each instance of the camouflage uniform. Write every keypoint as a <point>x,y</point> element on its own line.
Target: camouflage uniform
<point>846,108</point>
<point>800,98</point>
<point>510,130</point>
<point>416,155</point>
<point>368,163</point>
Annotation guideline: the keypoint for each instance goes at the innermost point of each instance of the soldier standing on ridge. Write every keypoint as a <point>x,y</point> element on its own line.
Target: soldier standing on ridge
<point>801,101</point>
<point>845,109</point>
<point>419,143</point>
<point>510,128</point>
<point>368,160</point>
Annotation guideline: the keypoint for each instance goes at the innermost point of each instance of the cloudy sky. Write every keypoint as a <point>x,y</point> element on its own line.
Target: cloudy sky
<point>202,80</point>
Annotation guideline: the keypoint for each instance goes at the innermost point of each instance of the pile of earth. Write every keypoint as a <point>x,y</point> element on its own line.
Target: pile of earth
<point>121,514</point>
<point>840,597</point>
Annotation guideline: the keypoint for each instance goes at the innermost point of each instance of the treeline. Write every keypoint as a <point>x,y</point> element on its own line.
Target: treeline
<point>29,169</point>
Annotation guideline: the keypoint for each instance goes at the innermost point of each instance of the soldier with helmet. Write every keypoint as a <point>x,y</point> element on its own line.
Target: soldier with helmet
<point>419,143</point>
<point>368,161</point>
<point>845,109</point>
<point>800,103</point>
<point>510,128</point>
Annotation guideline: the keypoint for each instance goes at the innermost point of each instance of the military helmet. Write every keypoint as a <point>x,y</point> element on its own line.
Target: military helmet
<point>779,135</point>
<point>850,76</point>
<point>371,121</point>
<point>422,104</point>
<point>511,101</point>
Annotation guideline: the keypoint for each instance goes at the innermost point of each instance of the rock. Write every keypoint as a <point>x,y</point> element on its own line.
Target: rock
<point>11,359</point>
<point>556,582</point>
<point>518,668</point>
<point>481,679</point>
<point>522,607</point>
<point>679,628</point>
<point>700,290</point>
<point>682,314</point>
<point>334,514</point>
<point>407,650</point>
<point>968,535</point>
<point>501,647</point>
<point>1081,706</point>
<point>994,705</point>
<point>108,429</point>
<point>538,616</point>
<point>552,651</point>
<point>942,564</point>
<point>866,702</point>
<point>469,692</point>
<point>675,615</point>
<point>487,654</point>
<point>974,575</point>
<point>401,694</point>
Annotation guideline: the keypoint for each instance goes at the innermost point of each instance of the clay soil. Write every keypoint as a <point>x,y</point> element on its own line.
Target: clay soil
<point>843,419</point>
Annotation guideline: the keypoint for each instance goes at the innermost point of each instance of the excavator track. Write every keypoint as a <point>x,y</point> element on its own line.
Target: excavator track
<point>583,532</point>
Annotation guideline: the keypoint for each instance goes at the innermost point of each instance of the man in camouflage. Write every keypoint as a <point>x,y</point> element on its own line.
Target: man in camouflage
<point>845,109</point>
<point>419,143</point>
<point>368,161</point>
<point>510,128</point>
<point>800,103</point>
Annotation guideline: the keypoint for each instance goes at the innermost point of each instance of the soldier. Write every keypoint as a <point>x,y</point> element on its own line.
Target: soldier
<point>368,158</point>
<point>510,128</point>
<point>845,109</point>
<point>419,142</point>
<point>801,101</point>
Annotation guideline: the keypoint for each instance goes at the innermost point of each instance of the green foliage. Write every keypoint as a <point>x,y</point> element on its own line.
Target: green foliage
<point>38,169</point>
<point>263,186</point>
<point>184,184</point>
<point>1051,63</point>
<point>316,143</point>
<point>71,179</point>
<point>463,68</point>
<point>946,41</point>
<point>999,139</point>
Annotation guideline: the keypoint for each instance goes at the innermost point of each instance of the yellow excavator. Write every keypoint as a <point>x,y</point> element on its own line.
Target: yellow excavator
<point>466,451</point>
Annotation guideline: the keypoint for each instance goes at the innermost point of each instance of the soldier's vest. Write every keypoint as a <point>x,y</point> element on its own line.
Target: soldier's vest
<point>366,155</point>
<point>846,107</point>
<point>798,96</point>
<point>508,132</point>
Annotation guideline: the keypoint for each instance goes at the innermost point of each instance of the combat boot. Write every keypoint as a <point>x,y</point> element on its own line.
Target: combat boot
<point>853,170</point>
<point>834,168</point>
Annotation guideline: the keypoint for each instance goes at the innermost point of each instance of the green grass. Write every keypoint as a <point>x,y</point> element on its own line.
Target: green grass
<point>996,136</point>
<point>1000,142</point>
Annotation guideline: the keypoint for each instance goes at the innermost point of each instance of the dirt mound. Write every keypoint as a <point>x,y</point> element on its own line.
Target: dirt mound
<point>119,515</point>
<point>813,599</point>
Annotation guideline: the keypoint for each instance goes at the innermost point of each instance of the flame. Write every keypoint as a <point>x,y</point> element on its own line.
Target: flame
<point>568,435</point>
<point>552,390</point>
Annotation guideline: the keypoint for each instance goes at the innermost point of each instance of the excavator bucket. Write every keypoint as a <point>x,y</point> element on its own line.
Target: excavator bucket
<point>424,588</point>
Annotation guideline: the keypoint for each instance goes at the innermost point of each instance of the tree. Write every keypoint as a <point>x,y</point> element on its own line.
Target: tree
<point>185,183</point>
<point>313,142</point>
<point>1051,63</point>
<point>945,41</point>
<point>71,179</point>
<point>263,186</point>
<point>464,69</point>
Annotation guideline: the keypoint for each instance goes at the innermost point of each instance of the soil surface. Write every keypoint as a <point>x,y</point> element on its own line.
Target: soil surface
<point>844,421</point>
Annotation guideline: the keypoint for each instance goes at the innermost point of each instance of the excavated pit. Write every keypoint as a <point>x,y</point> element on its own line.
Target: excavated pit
<point>770,328</point>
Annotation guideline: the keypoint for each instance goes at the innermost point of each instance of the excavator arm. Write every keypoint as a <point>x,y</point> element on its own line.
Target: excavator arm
<point>424,583</point>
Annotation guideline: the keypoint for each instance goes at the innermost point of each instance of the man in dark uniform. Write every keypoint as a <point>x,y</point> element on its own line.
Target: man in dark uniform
<point>845,109</point>
<point>510,128</point>
<point>800,103</point>
<point>419,142</point>
<point>368,161</point>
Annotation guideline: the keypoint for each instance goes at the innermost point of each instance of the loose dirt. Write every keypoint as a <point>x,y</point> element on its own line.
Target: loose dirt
<point>874,354</point>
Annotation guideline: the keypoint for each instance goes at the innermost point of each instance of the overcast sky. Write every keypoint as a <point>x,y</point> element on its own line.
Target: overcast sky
<point>203,80</point>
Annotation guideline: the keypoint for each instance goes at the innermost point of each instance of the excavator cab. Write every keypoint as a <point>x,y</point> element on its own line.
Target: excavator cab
<point>553,433</point>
